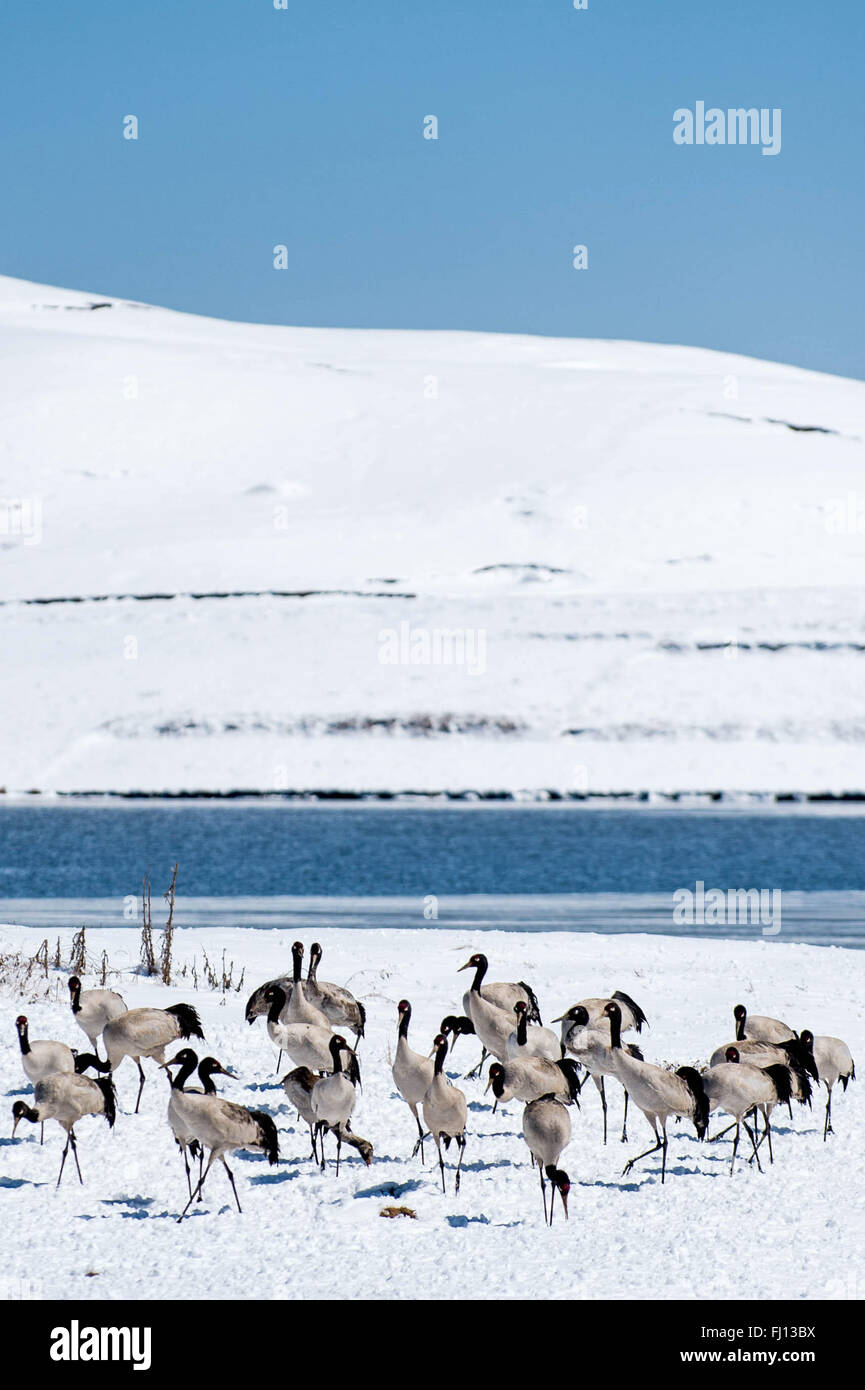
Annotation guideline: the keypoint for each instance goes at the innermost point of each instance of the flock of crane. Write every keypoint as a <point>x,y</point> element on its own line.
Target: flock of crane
<point>767,1065</point>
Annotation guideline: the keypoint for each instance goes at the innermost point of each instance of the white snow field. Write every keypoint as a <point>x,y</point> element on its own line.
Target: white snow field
<point>796,1231</point>
<point>656,551</point>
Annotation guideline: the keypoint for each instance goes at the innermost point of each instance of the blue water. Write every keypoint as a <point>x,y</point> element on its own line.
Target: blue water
<point>372,850</point>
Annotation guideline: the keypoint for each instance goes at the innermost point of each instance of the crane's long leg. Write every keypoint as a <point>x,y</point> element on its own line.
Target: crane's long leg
<point>320,1132</point>
<point>754,1145</point>
<point>735,1147</point>
<point>42,1132</point>
<point>625,1121</point>
<point>198,1187</point>
<point>140,1084</point>
<point>63,1159</point>
<point>768,1139</point>
<point>476,1071</point>
<point>461,1140</point>
<point>278,1060</point>
<point>653,1150</point>
<point>441,1160</point>
<point>420,1138</point>
<point>75,1155</point>
<point>599,1082</point>
<point>543,1192</point>
<point>338,1149</point>
<point>233,1188</point>
<point>664,1152</point>
<point>827,1127</point>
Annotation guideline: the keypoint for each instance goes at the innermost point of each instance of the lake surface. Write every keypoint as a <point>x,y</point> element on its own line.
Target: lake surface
<point>535,867</point>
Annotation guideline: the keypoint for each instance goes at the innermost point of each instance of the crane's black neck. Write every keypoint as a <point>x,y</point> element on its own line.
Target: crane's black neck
<point>23,1040</point>
<point>297,961</point>
<point>441,1053</point>
<point>615,1029</point>
<point>480,971</point>
<point>404,1021</point>
<point>184,1072</point>
<point>277,1004</point>
<point>204,1075</point>
<point>522,1027</point>
<point>336,1055</point>
<point>314,958</point>
<point>75,992</point>
<point>84,1061</point>
<point>740,1026</point>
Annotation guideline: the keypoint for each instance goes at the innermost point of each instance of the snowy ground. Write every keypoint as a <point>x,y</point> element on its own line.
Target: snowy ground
<point>662,548</point>
<point>796,1230</point>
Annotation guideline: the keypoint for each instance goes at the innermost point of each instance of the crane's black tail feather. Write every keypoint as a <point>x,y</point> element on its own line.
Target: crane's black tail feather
<point>639,1016</point>
<point>190,1023</point>
<point>109,1097</point>
<point>534,1010</point>
<point>269,1138</point>
<point>694,1082</point>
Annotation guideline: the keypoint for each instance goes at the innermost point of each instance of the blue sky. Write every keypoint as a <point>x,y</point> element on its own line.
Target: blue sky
<point>304,127</point>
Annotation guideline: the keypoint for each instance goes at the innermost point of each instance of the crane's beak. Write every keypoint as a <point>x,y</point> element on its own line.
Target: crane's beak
<point>560,1019</point>
<point>15,1125</point>
<point>468,966</point>
<point>564,1197</point>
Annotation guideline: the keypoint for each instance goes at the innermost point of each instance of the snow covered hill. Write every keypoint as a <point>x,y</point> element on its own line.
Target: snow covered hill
<point>654,555</point>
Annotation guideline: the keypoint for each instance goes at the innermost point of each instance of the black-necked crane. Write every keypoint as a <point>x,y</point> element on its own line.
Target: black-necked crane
<point>93,1008</point>
<point>834,1062</point>
<point>738,1087</point>
<point>412,1073</point>
<point>67,1097</point>
<point>41,1056</point>
<point>795,1054</point>
<point>590,1044</point>
<point>333,1099</point>
<point>455,1026</point>
<point>143,1033</point>
<point>338,1003</point>
<point>298,1008</point>
<point>503,993</point>
<point>259,1001</point>
<point>657,1092</point>
<point>223,1127</point>
<point>759,1028</point>
<point>532,1042</point>
<point>299,1085</point>
<point>529,1078</point>
<point>492,1022</point>
<point>547,1131</point>
<point>306,1044</point>
<point>444,1111</point>
<point>179,1105</point>
<point>632,1015</point>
